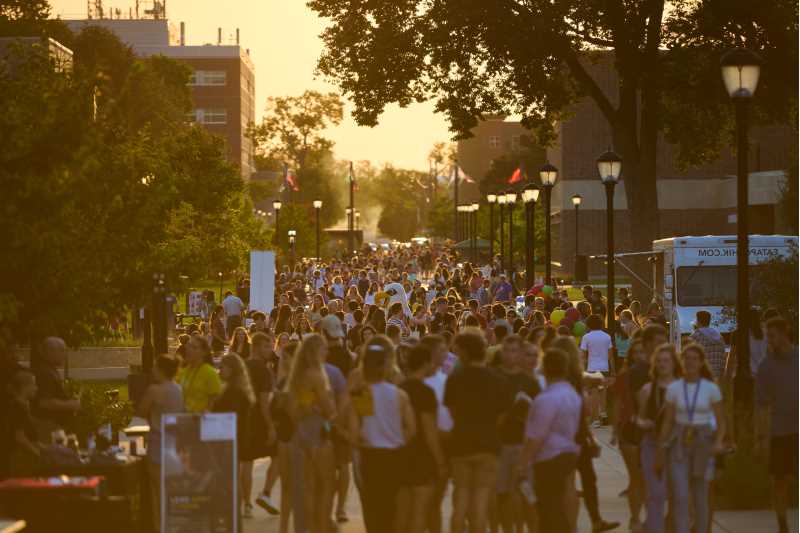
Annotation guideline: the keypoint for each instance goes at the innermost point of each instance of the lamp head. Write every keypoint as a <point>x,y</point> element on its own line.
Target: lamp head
<point>276,205</point>
<point>609,166</point>
<point>548,175</point>
<point>491,198</point>
<point>741,69</point>
<point>317,204</point>
<point>576,200</point>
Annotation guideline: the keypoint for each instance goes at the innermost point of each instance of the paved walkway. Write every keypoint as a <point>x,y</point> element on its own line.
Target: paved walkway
<point>612,480</point>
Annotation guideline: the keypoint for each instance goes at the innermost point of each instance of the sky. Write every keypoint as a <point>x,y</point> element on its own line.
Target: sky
<point>283,38</point>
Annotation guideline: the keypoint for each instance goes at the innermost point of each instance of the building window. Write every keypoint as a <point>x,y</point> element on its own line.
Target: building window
<point>494,141</point>
<point>208,77</point>
<point>210,116</point>
<point>515,144</point>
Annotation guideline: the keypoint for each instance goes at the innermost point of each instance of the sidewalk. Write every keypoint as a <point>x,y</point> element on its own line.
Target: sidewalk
<point>611,480</point>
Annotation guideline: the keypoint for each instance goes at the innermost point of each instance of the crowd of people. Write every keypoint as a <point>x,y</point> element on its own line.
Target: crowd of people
<point>404,371</point>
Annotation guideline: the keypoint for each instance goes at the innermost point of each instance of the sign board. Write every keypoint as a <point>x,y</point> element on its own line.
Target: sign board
<point>196,304</point>
<point>199,474</point>
<point>262,281</point>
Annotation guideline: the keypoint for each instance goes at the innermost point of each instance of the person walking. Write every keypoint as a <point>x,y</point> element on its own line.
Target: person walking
<point>692,433</point>
<point>162,396</point>
<point>238,397</point>
<point>597,347</point>
<point>382,424</point>
<point>52,407</point>
<point>234,307</point>
<point>711,341</point>
<point>550,445</point>
<point>776,392</point>
<point>475,397</point>
<point>198,379</point>
<point>651,400</point>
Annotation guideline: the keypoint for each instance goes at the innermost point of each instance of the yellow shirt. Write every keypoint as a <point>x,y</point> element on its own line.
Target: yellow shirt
<point>199,386</point>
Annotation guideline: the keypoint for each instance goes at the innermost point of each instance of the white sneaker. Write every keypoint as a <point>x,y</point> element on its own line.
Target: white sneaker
<point>266,503</point>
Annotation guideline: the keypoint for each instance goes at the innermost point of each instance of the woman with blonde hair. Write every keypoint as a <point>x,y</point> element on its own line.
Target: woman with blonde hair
<point>311,406</point>
<point>237,397</point>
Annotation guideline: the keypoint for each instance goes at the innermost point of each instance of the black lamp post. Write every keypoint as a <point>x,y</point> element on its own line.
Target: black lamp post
<point>576,201</point>
<point>317,206</point>
<point>219,275</point>
<point>159,315</point>
<point>351,213</point>
<point>292,238</point>
<point>547,174</point>
<point>741,69</point>
<point>491,199</point>
<point>501,200</point>
<point>474,216</point>
<point>511,199</point>
<point>530,195</point>
<point>609,166</point>
<point>276,205</point>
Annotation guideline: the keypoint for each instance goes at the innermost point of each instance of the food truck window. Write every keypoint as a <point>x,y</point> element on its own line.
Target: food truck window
<point>708,285</point>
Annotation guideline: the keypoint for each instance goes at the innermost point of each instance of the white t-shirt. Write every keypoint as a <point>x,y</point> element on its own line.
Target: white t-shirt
<point>233,305</point>
<point>437,382</point>
<point>707,396</point>
<point>598,343</point>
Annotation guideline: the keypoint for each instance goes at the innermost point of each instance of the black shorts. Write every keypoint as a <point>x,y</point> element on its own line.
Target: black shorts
<point>783,456</point>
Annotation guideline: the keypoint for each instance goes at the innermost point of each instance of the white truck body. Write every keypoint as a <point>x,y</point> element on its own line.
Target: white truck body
<point>699,273</point>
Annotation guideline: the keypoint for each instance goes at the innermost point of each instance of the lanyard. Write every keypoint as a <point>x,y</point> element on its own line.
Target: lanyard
<point>691,408</point>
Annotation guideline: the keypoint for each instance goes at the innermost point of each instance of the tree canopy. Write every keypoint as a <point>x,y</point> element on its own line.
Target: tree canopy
<point>106,184</point>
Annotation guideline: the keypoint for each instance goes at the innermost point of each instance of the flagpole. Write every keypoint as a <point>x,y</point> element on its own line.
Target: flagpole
<point>286,183</point>
<point>455,204</point>
<point>351,216</point>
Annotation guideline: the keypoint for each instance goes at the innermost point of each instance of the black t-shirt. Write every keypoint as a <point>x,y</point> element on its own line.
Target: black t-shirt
<point>15,416</point>
<point>233,400</point>
<point>423,400</point>
<point>638,376</point>
<point>476,397</point>
<point>512,424</point>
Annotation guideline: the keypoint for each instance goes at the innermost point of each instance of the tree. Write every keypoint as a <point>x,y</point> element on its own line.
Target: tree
<point>100,197</point>
<point>530,58</point>
<point>292,127</point>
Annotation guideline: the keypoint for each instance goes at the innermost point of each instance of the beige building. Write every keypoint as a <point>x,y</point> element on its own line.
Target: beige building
<point>223,81</point>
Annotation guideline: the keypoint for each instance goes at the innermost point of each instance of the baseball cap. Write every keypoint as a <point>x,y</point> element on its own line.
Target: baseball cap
<point>332,326</point>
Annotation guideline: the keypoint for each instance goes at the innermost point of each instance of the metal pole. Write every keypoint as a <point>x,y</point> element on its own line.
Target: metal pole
<point>547,257</point>
<point>455,198</point>
<point>475,236</point>
<point>577,207</point>
<point>502,248</point>
<point>743,380</point>
<point>352,215</point>
<point>533,240</point>
<point>491,233</point>
<point>147,344</point>
<point>276,237</point>
<point>528,246</point>
<point>318,256</point>
<point>510,240</point>
<point>610,257</point>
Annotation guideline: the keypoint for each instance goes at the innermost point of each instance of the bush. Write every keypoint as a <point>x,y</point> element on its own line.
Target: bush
<point>100,405</point>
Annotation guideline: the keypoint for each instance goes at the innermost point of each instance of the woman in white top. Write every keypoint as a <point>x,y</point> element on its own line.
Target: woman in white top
<point>383,422</point>
<point>692,433</point>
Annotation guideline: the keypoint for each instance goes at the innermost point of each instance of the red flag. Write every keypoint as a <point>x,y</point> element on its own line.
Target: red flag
<point>292,181</point>
<point>516,176</point>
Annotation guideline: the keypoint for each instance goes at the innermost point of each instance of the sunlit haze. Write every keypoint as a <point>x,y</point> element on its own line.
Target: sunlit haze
<point>282,36</point>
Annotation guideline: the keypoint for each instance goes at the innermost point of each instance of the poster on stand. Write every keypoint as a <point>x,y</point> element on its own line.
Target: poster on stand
<point>198,473</point>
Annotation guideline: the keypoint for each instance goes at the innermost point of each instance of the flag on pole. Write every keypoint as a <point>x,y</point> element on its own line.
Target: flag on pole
<point>463,176</point>
<point>291,180</point>
<point>516,176</point>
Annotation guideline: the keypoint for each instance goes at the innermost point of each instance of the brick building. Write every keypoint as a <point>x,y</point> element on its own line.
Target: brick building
<point>223,81</point>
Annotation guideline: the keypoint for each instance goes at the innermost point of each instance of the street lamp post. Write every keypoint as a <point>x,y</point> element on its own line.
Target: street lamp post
<point>491,199</point>
<point>548,175</point>
<point>219,275</point>
<point>358,218</point>
<point>530,195</point>
<point>474,211</point>
<point>501,200</point>
<point>292,237</point>
<point>351,213</point>
<point>511,198</point>
<point>276,205</point>
<point>741,69</point>
<point>317,208</point>
<point>576,201</point>
<point>609,166</point>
